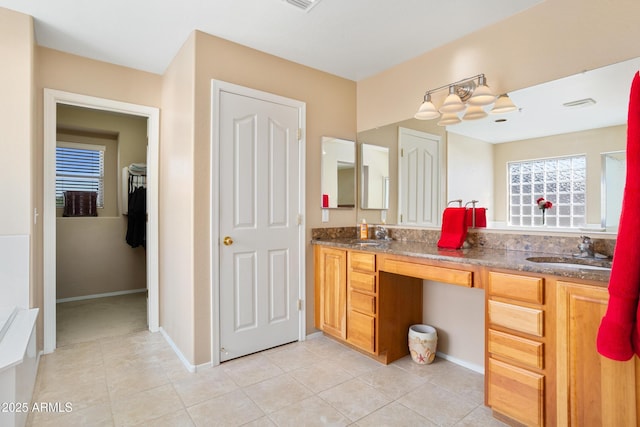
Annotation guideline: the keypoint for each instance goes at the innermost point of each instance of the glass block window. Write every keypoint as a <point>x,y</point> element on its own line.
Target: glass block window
<point>560,180</point>
<point>79,167</point>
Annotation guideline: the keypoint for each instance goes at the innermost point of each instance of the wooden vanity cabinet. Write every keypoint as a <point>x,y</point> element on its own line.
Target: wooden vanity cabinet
<point>331,290</point>
<point>362,300</point>
<point>516,368</point>
<point>592,390</point>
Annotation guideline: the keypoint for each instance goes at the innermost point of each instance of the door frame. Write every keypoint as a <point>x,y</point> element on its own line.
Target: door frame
<point>217,87</point>
<point>52,98</point>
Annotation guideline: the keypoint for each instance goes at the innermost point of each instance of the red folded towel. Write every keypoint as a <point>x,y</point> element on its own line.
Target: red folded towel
<point>619,333</point>
<point>481,217</point>
<point>454,228</point>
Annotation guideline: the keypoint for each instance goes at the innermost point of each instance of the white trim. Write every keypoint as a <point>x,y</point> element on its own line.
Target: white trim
<point>81,146</point>
<point>51,99</point>
<point>218,86</point>
<point>103,295</point>
<point>191,368</point>
<point>476,368</point>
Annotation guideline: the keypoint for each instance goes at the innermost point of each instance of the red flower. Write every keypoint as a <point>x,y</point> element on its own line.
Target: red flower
<point>544,204</point>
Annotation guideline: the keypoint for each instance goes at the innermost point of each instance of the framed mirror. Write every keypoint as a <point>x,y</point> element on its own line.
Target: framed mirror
<point>338,173</point>
<point>374,177</point>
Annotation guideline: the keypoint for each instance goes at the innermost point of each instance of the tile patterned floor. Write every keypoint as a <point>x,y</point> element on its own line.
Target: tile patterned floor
<point>137,380</point>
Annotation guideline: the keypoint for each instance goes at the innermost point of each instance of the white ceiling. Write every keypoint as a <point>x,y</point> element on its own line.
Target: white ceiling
<point>353,39</point>
<point>542,113</point>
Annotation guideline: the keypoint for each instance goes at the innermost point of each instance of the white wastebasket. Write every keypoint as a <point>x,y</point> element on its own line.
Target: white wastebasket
<point>423,340</point>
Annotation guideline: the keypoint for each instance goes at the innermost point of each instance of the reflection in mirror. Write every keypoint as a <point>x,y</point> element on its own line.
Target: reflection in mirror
<point>478,151</point>
<point>374,177</point>
<point>614,168</point>
<point>338,173</point>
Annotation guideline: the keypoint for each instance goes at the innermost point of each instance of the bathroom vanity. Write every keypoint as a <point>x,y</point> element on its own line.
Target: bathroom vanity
<point>541,321</point>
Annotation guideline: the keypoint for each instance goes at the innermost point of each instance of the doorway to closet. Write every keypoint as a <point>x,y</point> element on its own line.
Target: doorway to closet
<point>102,282</point>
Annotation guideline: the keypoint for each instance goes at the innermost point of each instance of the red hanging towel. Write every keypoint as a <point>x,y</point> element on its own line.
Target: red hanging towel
<point>619,334</point>
<point>481,217</point>
<point>454,228</point>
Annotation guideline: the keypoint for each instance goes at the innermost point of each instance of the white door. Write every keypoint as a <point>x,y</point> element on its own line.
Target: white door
<point>259,249</point>
<point>419,178</point>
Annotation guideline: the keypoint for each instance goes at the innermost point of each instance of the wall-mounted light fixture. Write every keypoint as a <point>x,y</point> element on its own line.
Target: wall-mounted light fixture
<point>467,95</point>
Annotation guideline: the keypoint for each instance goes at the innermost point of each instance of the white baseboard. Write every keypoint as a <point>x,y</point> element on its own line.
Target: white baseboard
<point>463,363</point>
<point>185,362</point>
<point>106,294</point>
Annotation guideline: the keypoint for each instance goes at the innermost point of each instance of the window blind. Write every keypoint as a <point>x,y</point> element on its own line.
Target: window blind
<point>79,167</point>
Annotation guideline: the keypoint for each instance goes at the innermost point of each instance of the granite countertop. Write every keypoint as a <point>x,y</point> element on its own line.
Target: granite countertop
<point>481,256</point>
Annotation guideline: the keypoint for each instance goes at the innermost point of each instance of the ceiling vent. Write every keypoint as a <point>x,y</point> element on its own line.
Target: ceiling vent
<point>305,5</point>
<point>580,103</point>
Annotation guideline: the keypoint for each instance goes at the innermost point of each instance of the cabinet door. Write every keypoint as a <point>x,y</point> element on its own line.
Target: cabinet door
<point>592,390</point>
<point>331,278</point>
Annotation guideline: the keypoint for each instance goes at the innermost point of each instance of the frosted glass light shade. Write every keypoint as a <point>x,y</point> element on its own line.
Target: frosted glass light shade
<point>427,110</point>
<point>449,119</point>
<point>452,104</point>
<point>503,104</point>
<point>481,96</point>
<point>474,112</point>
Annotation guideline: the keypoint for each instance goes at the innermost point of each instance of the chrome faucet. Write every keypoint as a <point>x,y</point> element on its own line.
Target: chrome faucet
<point>586,248</point>
<point>381,233</point>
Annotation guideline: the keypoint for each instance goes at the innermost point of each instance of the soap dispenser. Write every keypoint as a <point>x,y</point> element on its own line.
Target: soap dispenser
<point>364,230</point>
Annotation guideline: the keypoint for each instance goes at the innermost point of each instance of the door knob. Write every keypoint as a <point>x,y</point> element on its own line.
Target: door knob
<point>228,241</point>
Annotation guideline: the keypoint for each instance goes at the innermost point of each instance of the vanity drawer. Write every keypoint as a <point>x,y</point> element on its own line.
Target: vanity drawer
<point>362,302</point>
<point>428,272</point>
<point>517,318</point>
<point>523,288</point>
<point>516,393</point>
<point>362,281</point>
<point>523,350</point>
<point>362,261</point>
<point>361,331</point>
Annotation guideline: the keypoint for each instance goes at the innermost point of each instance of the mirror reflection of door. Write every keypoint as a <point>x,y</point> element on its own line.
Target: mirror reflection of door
<point>374,177</point>
<point>614,168</point>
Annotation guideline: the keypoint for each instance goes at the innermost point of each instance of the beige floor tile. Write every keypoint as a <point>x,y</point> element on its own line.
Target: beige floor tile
<point>261,422</point>
<point>438,405</point>
<point>292,357</point>
<point>176,419</point>
<point>394,415</point>
<point>94,416</point>
<point>126,381</point>
<point>355,399</point>
<point>277,393</point>
<point>228,410</point>
<point>203,385</point>
<point>137,379</point>
<point>392,381</point>
<point>309,412</point>
<point>147,405</point>
<point>251,369</point>
<point>322,375</point>
<point>462,381</point>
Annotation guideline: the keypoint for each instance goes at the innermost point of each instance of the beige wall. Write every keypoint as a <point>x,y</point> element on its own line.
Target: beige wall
<point>176,204</point>
<point>16,86</point>
<point>92,256</point>
<point>591,143</point>
<point>554,39</point>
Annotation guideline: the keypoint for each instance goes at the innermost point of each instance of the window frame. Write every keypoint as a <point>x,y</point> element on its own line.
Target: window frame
<point>569,206</point>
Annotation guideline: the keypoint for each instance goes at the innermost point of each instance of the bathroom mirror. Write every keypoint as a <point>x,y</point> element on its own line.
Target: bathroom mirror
<point>374,177</point>
<point>338,173</point>
<point>478,151</point>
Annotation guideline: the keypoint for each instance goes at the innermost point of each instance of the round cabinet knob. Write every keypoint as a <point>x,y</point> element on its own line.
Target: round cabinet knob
<point>228,241</point>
